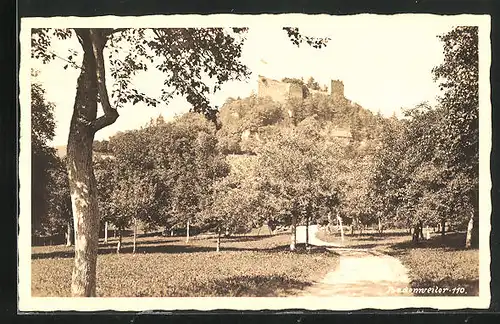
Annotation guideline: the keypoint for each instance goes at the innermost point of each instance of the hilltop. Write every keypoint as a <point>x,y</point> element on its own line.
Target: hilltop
<point>277,104</point>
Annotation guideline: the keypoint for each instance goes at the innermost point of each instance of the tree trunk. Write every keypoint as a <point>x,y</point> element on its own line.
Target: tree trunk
<point>474,231</point>
<point>218,240</point>
<point>135,235</point>
<point>68,234</point>
<point>329,226</point>
<point>106,232</point>
<point>415,234</point>
<point>468,238</point>
<point>427,232</point>
<point>293,244</point>
<point>187,231</point>
<point>83,126</point>
<point>81,176</point>
<point>380,225</point>
<point>114,233</point>
<point>341,229</point>
<point>307,231</point>
<point>443,227</point>
<point>119,245</point>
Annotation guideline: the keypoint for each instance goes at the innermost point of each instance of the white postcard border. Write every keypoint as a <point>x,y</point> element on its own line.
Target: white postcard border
<point>30,304</point>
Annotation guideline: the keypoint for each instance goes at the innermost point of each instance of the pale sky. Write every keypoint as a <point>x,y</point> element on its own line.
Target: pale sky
<point>385,66</point>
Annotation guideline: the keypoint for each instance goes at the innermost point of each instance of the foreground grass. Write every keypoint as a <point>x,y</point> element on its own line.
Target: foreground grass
<point>441,263</point>
<point>167,267</point>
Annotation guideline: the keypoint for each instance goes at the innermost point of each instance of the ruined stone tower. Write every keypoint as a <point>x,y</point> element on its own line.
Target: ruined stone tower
<point>337,89</point>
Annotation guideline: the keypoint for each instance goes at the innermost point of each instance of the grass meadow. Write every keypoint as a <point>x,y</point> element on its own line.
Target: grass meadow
<point>250,266</point>
<point>441,262</point>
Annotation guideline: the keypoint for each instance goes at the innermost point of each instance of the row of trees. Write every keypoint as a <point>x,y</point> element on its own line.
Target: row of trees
<point>173,174</point>
<point>51,205</point>
<point>159,174</point>
<point>427,169</point>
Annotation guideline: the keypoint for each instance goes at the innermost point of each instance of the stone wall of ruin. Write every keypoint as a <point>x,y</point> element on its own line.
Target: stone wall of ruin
<point>282,91</point>
<point>277,90</point>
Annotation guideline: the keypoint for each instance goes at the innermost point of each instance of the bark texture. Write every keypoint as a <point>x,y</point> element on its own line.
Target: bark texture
<point>339,219</point>
<point>105,232</point>
<point>293,244</point>
<point>82,183</point>
<point>418,232</point>
<point>443,227</point>
<point>119,244</point>
<point>307,231</point>
<point>472,237</point>
<point>68,234</point>
<point>218,240</point>
<point>135,235</point>
<point>81,176</point>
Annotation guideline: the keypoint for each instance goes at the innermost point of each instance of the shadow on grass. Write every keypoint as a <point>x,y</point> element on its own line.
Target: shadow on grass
<point>127,249</point>
<point>365,240</point>
<point>167,248</point>
<point>363,246</point>
<point>114,242</point>
<point>169,239</point>
<point>249,238</point>
<point>300,248</point>
<point>253,286</point>
<point>459,281</point>
<point>376,236</point>
<point>450,242</point>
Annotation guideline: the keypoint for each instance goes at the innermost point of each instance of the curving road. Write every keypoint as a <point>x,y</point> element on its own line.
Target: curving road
<point>360,272</point>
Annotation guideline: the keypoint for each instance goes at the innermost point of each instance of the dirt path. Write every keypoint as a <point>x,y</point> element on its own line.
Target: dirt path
<point>361,272</point>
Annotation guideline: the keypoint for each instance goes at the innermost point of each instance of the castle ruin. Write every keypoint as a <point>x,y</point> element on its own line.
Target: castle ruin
<point>282,91</point>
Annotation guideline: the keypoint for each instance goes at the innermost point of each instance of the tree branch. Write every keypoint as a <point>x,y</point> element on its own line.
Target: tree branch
<point>110,114</point>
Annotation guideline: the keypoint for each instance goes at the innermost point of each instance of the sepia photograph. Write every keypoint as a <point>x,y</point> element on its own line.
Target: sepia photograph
<point>254,162</point>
